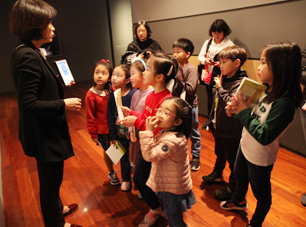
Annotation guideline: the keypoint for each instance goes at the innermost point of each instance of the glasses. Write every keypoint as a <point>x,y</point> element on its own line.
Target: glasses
<point>165,113</point>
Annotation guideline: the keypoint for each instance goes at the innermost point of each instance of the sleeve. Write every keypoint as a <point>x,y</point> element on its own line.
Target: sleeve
<point>131,129</point>
<point>90,115</point>
<point>202,54</point>
<point>111,117</point>
<point>303,79</point>
<point>140,123</point>
<point>28,76</point>
<point>280,116</point>
<point>191,80</point>
<point>227,95</point>
<point>153,152</point>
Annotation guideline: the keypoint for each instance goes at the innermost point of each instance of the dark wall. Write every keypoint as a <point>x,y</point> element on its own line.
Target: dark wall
<point>83,32</point>
<point>252,27</point>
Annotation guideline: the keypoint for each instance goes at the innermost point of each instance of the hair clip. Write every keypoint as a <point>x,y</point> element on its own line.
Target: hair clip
<point>170,70</point>
<point>104,61</point>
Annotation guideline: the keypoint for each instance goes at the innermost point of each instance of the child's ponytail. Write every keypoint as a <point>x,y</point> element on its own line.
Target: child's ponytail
<point>164,64</point>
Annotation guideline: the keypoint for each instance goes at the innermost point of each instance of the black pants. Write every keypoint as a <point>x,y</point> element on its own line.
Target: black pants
<point>125,162</point>
<point>259,177</point>
<point>226,150</point>
<point>50,176</point>
<point>141,175</point>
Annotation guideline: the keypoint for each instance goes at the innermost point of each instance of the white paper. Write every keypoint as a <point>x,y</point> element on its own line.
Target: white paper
<point>117,95</point>
<point>114,154</point>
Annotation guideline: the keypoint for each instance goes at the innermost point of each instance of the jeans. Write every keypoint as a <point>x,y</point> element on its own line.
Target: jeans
<point>226,150</point>
<point>195,136</point>
<point>259,177</point>
<point>125,162</point>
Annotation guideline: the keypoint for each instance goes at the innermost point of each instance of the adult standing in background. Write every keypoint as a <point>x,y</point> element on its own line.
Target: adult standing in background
<point>143,45</point>
<point>303,109</point>
<point>219,30</point>
<point>43,128</point>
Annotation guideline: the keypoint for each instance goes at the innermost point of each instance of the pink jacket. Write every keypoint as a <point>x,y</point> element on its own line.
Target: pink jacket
<point>168,153</point>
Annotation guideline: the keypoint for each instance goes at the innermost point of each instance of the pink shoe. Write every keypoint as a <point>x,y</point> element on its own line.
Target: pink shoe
<point>125,186</point>
<point>148,223</point>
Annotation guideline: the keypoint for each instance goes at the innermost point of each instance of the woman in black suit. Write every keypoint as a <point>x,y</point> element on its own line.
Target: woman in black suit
<point>43,128</point>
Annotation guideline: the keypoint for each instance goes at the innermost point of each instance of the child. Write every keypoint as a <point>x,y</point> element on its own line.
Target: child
<point>227,130</point>
<point>182,50</point>
<point>280,69</point>
<point>96,112</point>
<point>138,102</point>
<point>168,152</point>
<point>160,70</point>
<point>121,79</point>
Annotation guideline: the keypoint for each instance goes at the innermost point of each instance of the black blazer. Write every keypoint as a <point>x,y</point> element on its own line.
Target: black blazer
<point>43,128</point>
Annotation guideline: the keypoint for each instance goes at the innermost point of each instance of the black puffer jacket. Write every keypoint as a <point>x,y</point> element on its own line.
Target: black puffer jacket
<point>229,127</point>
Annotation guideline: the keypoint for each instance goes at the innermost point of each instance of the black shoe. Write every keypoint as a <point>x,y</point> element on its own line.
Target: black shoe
<point>234,205</point>
<point>224,193</point>
<point>213,178</point>
<point>303,199</point>
<point>195,164</point>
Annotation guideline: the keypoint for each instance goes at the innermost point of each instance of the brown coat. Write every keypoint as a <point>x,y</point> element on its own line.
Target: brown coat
<point>168,153</point>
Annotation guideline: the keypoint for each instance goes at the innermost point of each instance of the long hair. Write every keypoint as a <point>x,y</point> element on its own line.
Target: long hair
<point>164,64</point>
<point>183,111</point>
<point>284,61</point>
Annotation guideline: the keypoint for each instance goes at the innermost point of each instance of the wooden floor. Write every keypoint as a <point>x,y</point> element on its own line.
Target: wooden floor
<point>101,204</point>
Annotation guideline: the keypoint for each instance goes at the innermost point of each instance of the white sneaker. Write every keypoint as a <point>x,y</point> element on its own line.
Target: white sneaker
<point>125,186</point>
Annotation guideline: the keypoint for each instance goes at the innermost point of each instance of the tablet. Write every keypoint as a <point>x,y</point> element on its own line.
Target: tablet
<point>64,70</point>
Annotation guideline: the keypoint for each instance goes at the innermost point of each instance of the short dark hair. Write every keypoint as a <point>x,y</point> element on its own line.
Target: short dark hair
<point>29,18</point>
<point>234,52</point>
<point>186,44</point>
<point>284,61</point>
<point>145,24</point>
<point>219,25</point>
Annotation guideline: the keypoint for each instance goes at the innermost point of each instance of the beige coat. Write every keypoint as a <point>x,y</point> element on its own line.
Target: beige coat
<point>168,153</point>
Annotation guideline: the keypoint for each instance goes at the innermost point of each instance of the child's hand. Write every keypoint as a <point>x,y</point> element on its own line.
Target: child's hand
<point>133,137</point>
<point>96,141</point>
<point>218,80</point>
<point>238,104</point>
<point>229,109</point>
<point>151,123</point>
<point>128,121</point>
<point>304,107</point>
<point>125,110</point>
<point>112,142</point>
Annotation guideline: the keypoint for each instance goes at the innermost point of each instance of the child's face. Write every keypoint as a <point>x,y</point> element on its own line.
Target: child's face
<point>148,75</point>
<point>118,78</point>
<point>229,67</point>
<point>180,54</point>
<point>166,114</point>
<point>263,72</point>
<point>101,75</point>
<point>136,77</point>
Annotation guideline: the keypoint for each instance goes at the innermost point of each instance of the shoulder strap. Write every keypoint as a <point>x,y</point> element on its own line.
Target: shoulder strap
<point>208,45</point>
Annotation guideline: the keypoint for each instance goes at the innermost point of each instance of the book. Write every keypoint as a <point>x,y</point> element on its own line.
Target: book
<point>118,100</point>
<point>251,89</point>
<point>64,71</point>
<point>115,152</point>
